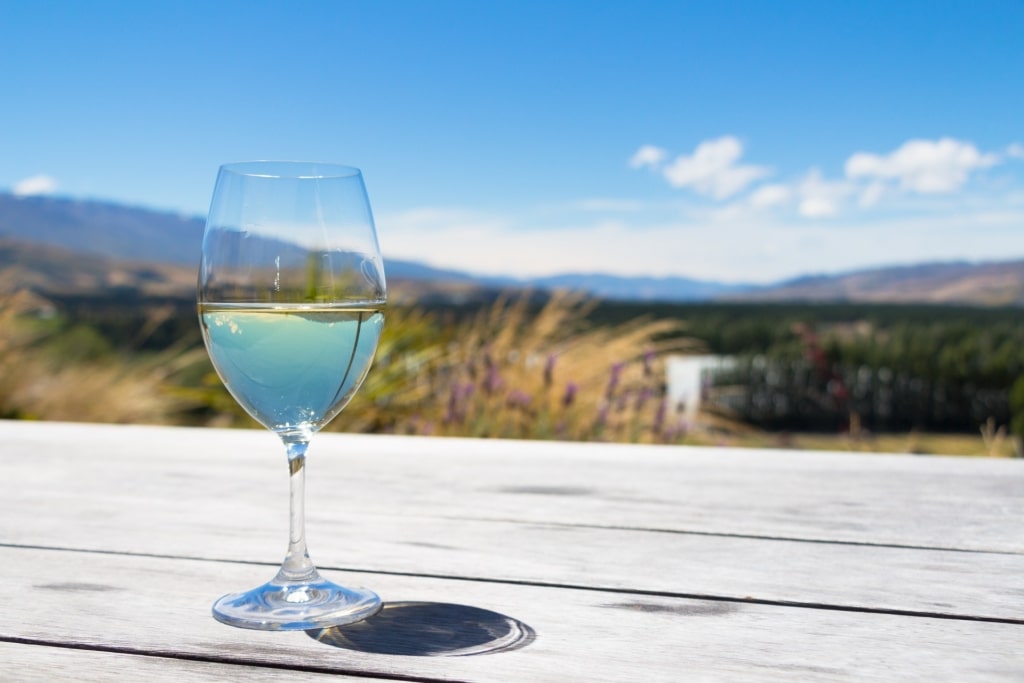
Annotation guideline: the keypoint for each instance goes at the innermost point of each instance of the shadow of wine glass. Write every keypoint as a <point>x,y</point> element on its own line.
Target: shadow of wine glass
<point>429,629</point>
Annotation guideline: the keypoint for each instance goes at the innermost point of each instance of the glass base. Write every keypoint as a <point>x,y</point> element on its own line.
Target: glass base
<point>297,606</point>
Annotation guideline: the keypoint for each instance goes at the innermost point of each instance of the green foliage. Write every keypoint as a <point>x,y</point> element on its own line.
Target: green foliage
<point>1017,408</point>
<point>943,372</point>
<point>77,344</point>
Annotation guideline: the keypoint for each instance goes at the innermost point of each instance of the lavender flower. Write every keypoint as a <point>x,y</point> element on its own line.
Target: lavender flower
<point>452,410</point>
<point>642,397</point>
<point>659,417</point>
<point>570,394</point>
<point>456,409</point>
<point>649,362</point>
<point>677,431</point>
<point>493,381</point>
<point>517,398</point>
<point>613,379</point>
<point>549,370</point>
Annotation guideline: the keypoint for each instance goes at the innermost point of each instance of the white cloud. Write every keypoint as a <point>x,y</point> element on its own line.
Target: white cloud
<point>713,170</point>
<point>648,155</point>
<point>923,166</point>
<point>37,184</point>
<point>755,206</point>
<point>768,196</point>
<point>821,198</point>
<point>444,237</point>
<point>748,247</point>
<point>872,194</point>
<point>928,168</point>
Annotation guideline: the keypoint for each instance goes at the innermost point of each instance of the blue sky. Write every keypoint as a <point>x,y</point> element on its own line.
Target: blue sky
<point>742,141</point>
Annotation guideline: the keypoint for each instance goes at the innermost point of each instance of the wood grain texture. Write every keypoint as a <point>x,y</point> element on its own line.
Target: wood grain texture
<point>41,664</point>
<point>943,502</point>
<point>630,563</point>
<point>162,606</point>
<point>986,585</point>
<point>141,503</point>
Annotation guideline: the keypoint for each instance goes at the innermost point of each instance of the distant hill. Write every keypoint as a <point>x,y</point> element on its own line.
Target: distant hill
<point>640,288</point>
<point>101,245</point>
<point>984,284</point>
<point>111,230</point>
<point>135,234</point>
<point>48,269</point>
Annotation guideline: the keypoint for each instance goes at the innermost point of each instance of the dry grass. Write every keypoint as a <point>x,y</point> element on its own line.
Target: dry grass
<point>38,383</point>
<point>514,373</point>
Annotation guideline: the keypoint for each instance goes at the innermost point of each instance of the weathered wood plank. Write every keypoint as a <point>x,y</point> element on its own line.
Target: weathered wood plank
<point>957,503</point>
<point>136,504</point>
<point>978,584</point>
<point>162,606</point>
<point>40,664</point>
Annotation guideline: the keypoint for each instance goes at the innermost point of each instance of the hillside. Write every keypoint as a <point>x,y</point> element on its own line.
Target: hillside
<point>48,269</point>
<point>112,230</point>
<point>95,245</point>
<point>982,284</point>
<point>135,234</point>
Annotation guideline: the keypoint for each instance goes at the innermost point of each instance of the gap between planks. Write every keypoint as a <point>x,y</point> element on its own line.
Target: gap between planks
<point>208,659</point>
<point>925,614</point>
<point>726,534</point>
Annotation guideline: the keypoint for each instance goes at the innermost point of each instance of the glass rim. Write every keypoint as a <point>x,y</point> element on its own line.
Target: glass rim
<point>293,170</point>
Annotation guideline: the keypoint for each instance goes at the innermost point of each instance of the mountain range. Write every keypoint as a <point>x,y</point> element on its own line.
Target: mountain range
<point>53,242</point>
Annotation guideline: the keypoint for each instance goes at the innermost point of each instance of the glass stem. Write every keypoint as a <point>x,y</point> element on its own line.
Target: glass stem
<point>297,567</point>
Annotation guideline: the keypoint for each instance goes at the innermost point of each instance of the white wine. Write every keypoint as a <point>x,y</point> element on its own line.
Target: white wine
<point>292,367</point>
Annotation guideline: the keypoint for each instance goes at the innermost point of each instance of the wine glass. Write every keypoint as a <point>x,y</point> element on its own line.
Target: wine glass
<point>291,301</point>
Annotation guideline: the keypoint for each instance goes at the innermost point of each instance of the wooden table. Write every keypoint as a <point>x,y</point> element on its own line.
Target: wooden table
<point>534,561</point>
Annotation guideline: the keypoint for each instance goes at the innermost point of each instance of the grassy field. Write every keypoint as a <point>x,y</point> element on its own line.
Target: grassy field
<point>561,368</point>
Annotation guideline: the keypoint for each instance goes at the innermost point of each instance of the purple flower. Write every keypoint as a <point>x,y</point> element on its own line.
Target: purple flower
<point>613,379</point>
<point>659,417</point>
<point>648,362</point>
<point>451,413</point>
<point>641,399</point>
<point>570,394</point>
<point>549,370</point>
<point>517,398</point>
<point>602,416</point>
<point>677,431</point>
<point>493,381</point>
<point>456,409</point>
